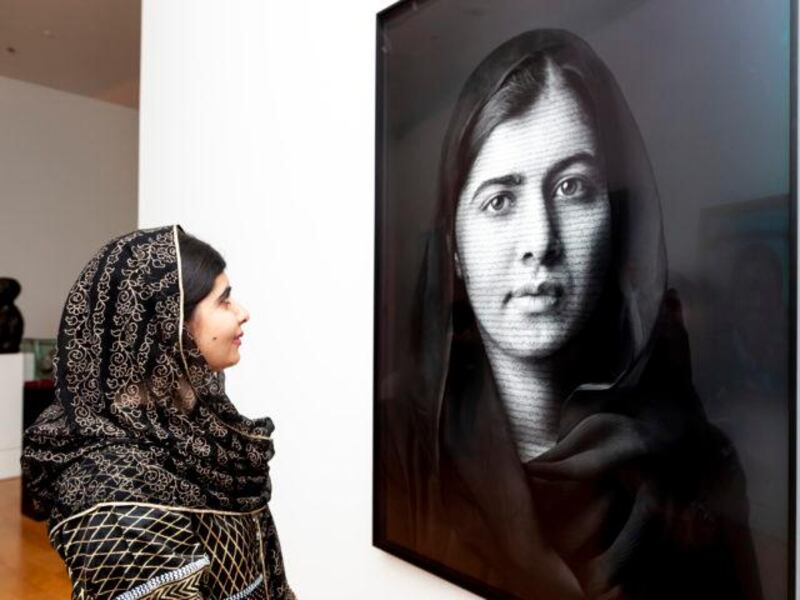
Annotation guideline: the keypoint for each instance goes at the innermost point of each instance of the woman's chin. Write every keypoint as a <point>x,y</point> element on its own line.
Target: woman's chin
<point>540,352</point>
<point>221,365</point>
<point>534,348</point>
<point>232,362</point>
<point>534,341</point>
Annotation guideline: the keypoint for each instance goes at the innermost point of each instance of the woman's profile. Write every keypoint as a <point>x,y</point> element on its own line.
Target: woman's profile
<point>556,447</point>
<point>153,484</point>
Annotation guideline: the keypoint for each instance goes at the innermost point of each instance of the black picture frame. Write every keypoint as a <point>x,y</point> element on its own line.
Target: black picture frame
<point>740,204</point>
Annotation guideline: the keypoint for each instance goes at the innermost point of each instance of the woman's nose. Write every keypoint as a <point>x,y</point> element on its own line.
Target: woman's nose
<point>540,242</point>
<point>244,315</point>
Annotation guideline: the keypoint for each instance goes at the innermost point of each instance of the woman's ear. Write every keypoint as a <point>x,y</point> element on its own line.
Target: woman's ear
<point>456,260</point>
<point>188,325</point>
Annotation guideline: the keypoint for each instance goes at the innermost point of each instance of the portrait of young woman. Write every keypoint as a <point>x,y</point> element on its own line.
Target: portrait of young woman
<point>550,441</point>
<point>153,484</point>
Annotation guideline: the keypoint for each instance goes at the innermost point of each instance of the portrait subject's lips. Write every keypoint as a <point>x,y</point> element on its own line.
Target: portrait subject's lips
<point>238,339</point>
<point>538,297</point>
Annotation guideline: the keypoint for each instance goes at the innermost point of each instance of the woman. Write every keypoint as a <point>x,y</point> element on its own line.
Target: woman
<point>567,454</point>
<point>154,485</point>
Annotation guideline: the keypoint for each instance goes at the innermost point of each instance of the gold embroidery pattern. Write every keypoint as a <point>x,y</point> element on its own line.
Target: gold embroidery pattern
<point>182,583</point>
<point>186,589</point>
<point>128,551</point>
<point>232,544</point>
<point>110,551</point>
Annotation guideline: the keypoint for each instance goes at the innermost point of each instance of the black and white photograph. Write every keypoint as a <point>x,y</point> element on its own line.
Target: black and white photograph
<point>585,297</point>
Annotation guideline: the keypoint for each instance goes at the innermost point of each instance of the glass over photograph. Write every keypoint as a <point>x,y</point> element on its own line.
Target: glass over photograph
<point>585,302</point>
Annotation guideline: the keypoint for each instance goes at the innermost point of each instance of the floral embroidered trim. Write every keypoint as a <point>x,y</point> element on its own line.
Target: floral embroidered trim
<point>181,316</point>
<point>156,582</point>
<point>248,590</point>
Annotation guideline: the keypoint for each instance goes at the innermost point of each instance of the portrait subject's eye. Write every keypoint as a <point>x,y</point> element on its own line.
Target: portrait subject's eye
<point>499,203</point>
<point>574,187</point>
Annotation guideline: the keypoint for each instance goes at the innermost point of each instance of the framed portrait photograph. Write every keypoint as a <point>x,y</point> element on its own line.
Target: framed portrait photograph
<point>585,297</point>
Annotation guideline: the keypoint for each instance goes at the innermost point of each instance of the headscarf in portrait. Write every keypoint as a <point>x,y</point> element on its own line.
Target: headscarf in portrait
<point>589,516</point>
<point>139,415</point>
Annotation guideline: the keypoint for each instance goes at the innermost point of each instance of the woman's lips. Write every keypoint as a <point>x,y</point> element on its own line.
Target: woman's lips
<point>538,298</point>
<point>237,341</point>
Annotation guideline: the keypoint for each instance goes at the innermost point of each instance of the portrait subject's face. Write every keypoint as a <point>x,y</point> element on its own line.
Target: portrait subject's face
<point>533,227</point>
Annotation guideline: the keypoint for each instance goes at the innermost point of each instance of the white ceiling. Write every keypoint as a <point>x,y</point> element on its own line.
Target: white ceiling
<point>87,47</point>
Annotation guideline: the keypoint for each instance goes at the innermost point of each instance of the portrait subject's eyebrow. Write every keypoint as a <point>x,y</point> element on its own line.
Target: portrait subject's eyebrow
<point>510,180</point>
<point>224,295</point>
<point>579,157</point>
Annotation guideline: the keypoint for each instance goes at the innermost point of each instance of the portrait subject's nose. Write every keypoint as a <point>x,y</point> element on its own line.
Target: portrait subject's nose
<point>539,239</point>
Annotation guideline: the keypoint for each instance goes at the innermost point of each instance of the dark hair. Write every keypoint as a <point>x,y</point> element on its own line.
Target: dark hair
<point>518,92</point>
<point>200,265</point>
<point>516,85</point>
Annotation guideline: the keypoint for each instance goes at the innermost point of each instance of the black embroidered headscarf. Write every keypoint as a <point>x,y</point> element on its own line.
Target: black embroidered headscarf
<point>119,429</point>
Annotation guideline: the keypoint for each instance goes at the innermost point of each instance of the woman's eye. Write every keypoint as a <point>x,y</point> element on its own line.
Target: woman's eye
<point>499,204</point>
<point>573,187</point>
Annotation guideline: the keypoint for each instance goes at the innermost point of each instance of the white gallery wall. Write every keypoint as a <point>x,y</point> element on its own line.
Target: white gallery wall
<point>257,135</point>
<point>69,170</point>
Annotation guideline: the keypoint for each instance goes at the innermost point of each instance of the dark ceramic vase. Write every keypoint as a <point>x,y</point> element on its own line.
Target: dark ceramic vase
<point>11,322</point>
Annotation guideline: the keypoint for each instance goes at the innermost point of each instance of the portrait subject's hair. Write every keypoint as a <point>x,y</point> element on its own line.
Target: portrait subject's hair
<point>201,265</point>
<point>516,94</point>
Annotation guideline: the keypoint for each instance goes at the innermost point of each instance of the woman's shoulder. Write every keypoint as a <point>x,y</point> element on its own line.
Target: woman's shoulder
<point>128,550</point>
<point>119,473</point>
<point>132,549</point>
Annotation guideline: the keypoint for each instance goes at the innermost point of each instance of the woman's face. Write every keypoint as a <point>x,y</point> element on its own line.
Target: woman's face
<point>216,325</point>
<point>533,227</point>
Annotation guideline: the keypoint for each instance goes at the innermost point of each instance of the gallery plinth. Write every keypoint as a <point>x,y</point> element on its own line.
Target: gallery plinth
<point>11,390</point>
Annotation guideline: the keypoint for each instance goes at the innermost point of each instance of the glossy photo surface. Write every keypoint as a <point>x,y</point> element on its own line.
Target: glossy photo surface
<point>585,297</point>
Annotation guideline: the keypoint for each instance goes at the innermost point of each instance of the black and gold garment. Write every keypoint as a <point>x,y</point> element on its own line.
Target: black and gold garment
<point>154,485</point>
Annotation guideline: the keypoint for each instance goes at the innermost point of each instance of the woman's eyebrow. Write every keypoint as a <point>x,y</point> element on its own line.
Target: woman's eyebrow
<point>224,295</point>
<point>510,180</point>
<point>578,157</point>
